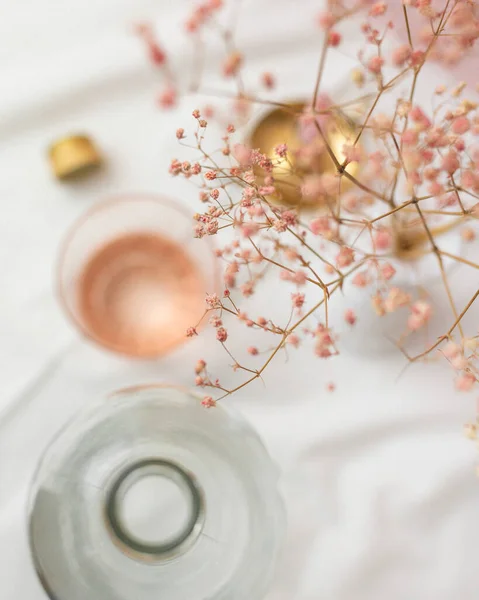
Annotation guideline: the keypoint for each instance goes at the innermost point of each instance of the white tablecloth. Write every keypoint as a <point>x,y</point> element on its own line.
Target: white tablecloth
<point>379,483</point>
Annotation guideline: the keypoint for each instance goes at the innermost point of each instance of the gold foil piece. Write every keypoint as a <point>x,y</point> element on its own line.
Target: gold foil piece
<point>73,156</point>
<point>280,126</point>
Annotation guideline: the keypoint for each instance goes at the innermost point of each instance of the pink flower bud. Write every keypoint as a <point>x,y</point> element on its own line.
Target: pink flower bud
<point>221,334</point>
<point>200,365</point>
<point>450,163</point>
<point>465,382</point>
<point>374,64</point>
<point>460,125</point>
<point>350,316</point>
<point>401,55</point>
<point>268,81</point>
<point>382,239</point>
<point>451,349</point>
<point>334,38</point>
<point>388,271</point>
<point>360,280</point>
<point>377,9</point>
<point>208,402</point>
<point>345,257</point>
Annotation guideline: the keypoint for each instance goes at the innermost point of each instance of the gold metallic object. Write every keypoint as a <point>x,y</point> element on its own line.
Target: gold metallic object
<point>282,126</point>
<point>73,155</point>
<point>412,243</point>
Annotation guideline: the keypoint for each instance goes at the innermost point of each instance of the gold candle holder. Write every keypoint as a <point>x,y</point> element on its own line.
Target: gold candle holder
<point>73,156</point>
<point>282,126</point>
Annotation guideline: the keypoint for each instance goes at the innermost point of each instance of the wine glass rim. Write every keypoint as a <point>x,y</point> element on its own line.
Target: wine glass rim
<point>100,206</point>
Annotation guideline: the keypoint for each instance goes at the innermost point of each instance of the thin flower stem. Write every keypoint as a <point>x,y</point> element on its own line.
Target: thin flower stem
<point>406,19</point>
<point>449,331</point>
<point>322,59</point>
<point>460,259</point>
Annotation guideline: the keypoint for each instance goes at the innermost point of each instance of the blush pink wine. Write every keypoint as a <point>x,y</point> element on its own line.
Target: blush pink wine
<point>139,293</point>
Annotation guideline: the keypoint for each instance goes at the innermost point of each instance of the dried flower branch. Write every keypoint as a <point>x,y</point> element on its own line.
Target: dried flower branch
<point>393,187</point>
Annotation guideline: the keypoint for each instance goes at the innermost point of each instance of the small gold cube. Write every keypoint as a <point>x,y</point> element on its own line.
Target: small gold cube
<point>74,155</point>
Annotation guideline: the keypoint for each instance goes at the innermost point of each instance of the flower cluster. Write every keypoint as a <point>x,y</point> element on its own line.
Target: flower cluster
<point>331,216</point>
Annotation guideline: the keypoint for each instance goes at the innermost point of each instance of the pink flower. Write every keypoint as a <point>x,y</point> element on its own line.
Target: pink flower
<point>319,185</point>
<point>420,313</point>
<point>289,217</point>
<point>326,20</point>
<point>468,234</point>
<point>242,154</point>
<point>377,303</point>
<point>330,387</point>
<point>350,316</point>
<point>451,349</point>
<point>266,190</point>
<point>175,167</point>
<point>322,351</point>
<point>281,150</point>
<point>191,331</point>
<point>212,301</point>
<point>387,271</point>
<point>298,300</point>
<point>200,365</point>
<point>334,38</point>
<point>210,175</point>
<point>417,115</point>
<point>216,321</point>
<point>352,153</point>
<point>293,339</point>
<point>464,382</point>
<point>459,362</point>
<point>345,257</point>
<point>401,55</point>
<point>377,9</point>
<point>417,58</point>
<point>450,163</point>
<point>410,137</point>
<point>321,226</point>
<point>253,351</point>
<point>232,64</point>
<point>247,289</point>
<point>382,239</point>
<point>360,280</point>
<point>199,380</point>
<point>221,334</point>
<point>460,125</point>
<point>208,402</point>
<point>299,278</point>
<point>395,299</point>
<point>435,188</point>
<point>374,64</point>
<point>180,133</point>
<point>167,98</point>
<point>249,229</point>
<point>268,81</point>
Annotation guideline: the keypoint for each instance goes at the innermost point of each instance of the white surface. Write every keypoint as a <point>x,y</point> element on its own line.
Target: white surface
<point>379,483</point>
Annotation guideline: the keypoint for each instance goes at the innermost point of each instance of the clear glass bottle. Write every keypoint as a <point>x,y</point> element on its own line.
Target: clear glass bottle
<point>148,495</point>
